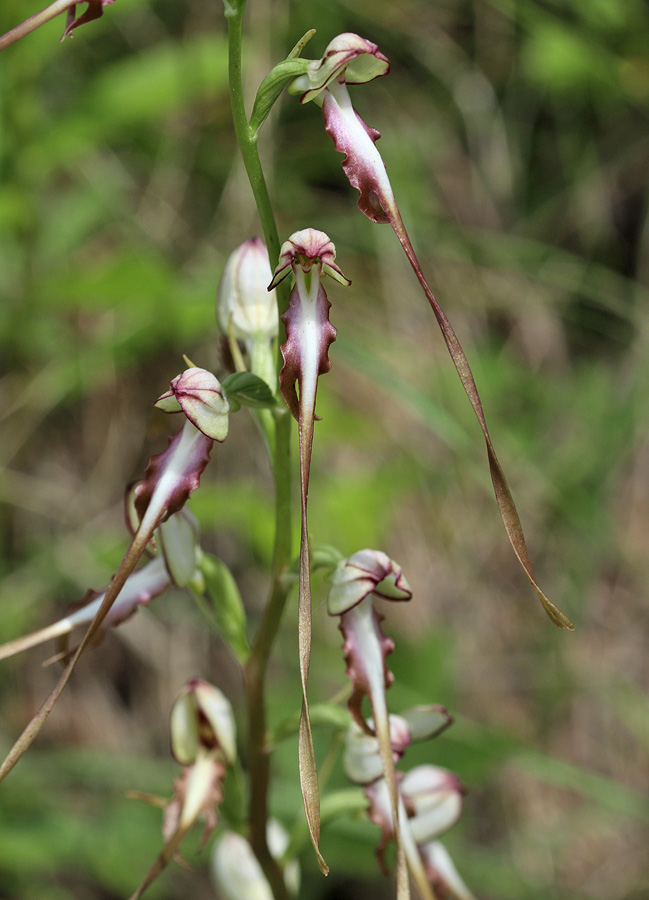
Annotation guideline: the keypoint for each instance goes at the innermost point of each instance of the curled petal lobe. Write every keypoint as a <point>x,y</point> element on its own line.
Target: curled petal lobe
<point>171,476</point>
<point>362,162</point>
<point>309,334</point>
<point>348,57</point>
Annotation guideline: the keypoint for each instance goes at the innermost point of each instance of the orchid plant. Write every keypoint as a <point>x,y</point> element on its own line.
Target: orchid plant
<point>274,313</point>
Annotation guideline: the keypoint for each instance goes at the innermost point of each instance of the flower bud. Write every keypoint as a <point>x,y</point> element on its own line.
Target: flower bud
<point>244,305</point>
<point>236,870</point>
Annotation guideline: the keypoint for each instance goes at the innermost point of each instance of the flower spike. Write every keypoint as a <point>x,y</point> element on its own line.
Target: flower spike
<point>310,255</point>
<point>364,167</point>
<point>170,478</point>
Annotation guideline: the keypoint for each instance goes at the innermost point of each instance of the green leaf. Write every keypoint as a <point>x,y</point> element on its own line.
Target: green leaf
<point>226,604</point>
<point>249,390</point>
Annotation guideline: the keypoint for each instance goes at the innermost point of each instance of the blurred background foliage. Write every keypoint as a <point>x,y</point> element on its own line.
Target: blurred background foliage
<point>516,135</point>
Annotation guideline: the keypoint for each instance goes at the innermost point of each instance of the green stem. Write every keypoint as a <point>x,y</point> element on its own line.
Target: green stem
<point>259,762</point>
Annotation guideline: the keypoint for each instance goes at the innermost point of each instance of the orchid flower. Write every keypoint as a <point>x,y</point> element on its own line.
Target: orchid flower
<point>94,10</point>
<point>236,871</point>
<point>350,59</point>
<point>169,479</point>
<point>310,255</point>
<point>429,798</point>
<point>203,741</point>
<point>354,583</point>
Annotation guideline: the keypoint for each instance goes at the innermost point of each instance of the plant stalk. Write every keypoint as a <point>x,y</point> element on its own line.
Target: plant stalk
<point>255,670</point>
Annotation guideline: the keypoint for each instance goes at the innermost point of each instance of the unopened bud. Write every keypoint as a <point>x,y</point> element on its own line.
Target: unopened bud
<point>244,304</point>
<point>236,870</point>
